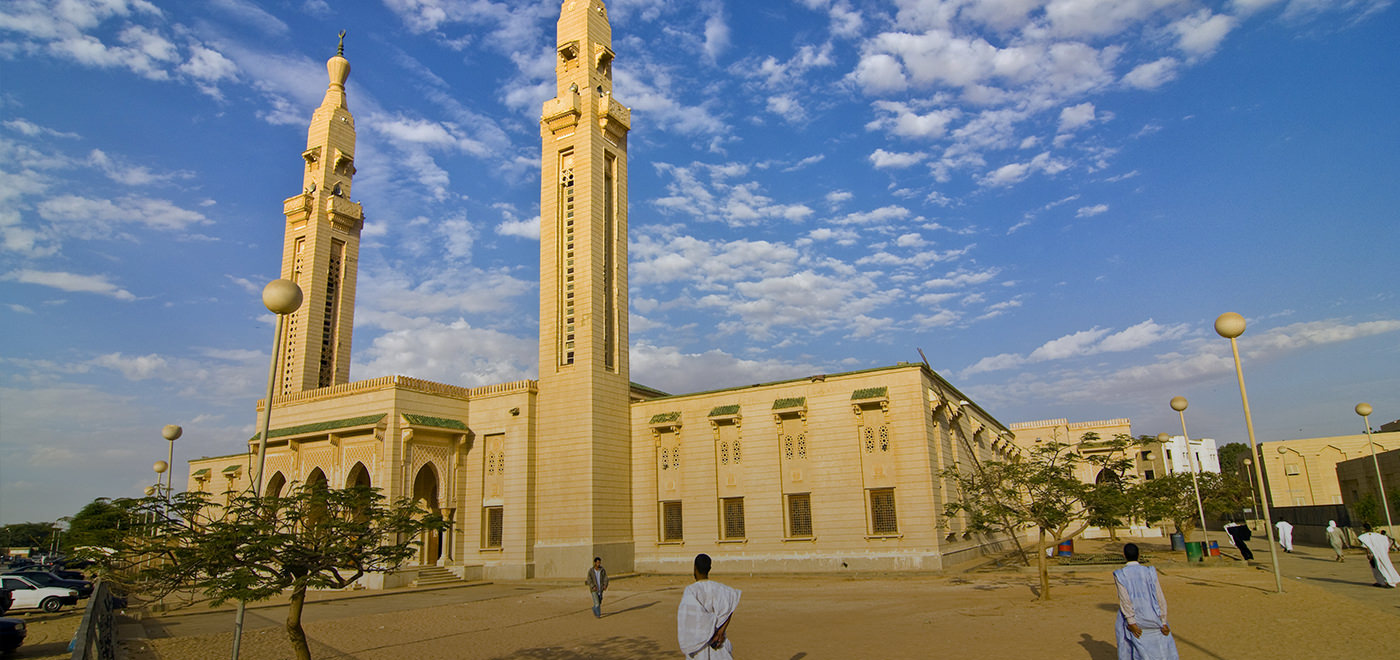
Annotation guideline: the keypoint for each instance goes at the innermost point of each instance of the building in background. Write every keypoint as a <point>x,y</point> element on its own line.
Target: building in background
<point>1178,457</point>
<point>537,477</point>
<point>1357,478</point>
<point>1304,472</point>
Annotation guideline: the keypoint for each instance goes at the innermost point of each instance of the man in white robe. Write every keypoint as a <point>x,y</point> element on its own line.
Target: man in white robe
<point>1142,631</point>
<point>703,616</point>
<point>1378,551</point>
<point>1285,535</point>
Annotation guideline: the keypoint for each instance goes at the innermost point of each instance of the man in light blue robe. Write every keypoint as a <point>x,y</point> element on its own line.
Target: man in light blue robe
<point>1142,630</point>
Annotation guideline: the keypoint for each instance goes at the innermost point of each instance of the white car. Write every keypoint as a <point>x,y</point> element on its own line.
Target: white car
<point>30,596</point>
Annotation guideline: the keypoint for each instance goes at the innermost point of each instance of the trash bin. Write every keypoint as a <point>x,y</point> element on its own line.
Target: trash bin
<point>1214,549</point>
<point>1066,548</point>
<point>1194,551</point>
<point>1178,541</point>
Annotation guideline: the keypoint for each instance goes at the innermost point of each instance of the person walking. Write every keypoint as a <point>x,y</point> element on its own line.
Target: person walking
<point>1378,551</point>
<point>1238,535</point>
<point>597,581</point>
<point>1142,630</point>
<point>1334,539</point>
<point>704,614</point>
<point>1285,535</point>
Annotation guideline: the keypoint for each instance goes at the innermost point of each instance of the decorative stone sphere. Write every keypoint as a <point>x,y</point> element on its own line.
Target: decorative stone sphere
<point>171,432</point>
<point>1163,437</point>
<point>1178,403</point>
<point>1363,409</point>
<point>150,490</point>
<point>282,296</point>
<point>161,467</point>
<point>1229,325</point>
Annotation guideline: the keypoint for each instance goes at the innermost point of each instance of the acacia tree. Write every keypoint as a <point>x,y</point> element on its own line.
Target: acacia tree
<point>1039,489</point>
<point>1172,498</point>
<point>254,548</point>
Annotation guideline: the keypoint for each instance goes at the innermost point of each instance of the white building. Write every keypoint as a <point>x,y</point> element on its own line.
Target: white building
<point>1203,452</point>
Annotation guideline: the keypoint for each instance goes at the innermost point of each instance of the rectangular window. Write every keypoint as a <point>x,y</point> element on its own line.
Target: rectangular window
<point>610,312</point>
<point>1291,469</point>
<point>671,527</point>
<point>733,508</point>
<point>882,515</point>
<point>493,527</point>
<point>1148,475</point>
<point>799,506</point>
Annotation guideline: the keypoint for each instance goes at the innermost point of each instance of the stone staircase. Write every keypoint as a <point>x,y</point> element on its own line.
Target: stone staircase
<point>430,576</point>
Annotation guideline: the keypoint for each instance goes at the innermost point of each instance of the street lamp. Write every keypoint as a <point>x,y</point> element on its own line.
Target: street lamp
<point>1249,478</point>
<point>281,297</point>
<point>1230,326</point>
<point>1178,404</point>
<point>171,432</point>
<point>160,468</point>
<point>1364,409</point>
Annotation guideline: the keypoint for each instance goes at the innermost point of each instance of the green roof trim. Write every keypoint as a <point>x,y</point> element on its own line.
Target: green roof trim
<point>794,402</point>
<point>724,410</point>
<point>323,426</point>
<point>439,422</point>
<point>871,393</point>
<point>663,418</point>
<point>232,468</point>
<point>202,472</point>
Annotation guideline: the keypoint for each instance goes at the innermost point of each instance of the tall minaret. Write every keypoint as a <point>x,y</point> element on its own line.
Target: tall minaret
<point>583,503</point>
<point>321,250</point>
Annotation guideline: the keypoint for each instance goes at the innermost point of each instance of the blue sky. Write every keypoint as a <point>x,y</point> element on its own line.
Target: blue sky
<point>1054,199</point>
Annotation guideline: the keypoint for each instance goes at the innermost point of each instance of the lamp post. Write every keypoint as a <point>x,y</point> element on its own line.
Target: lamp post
<point>1364,409</point>
<point>160,468</point>
<point>171,432</point>
<point>1249,478</point>
<point>1178,404</point>
<point>281,297</point>
<point>1230,326</point>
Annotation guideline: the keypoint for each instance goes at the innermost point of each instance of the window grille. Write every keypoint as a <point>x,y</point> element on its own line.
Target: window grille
<point>724,453</point>
<point>665,458</point>
<point>884,437</point>
<point>737,456</point>
<point>490,464</point>
<point>495,526</point>
<point>882,514</point>
<point>675,458</point>
<point>802,445</point>
<point>787,447</point>
<point>869,434</point>
<point>733,517</point>
<point>799,514</point>
<point>671,527</point>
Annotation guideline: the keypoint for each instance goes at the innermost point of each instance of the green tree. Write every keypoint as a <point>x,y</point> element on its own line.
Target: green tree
<point>1173,498</point>
<point>100,523</point>
<point>1232,455</point>
<point>1040,490</point>
<point>28,534</point>
<point>255,548</point>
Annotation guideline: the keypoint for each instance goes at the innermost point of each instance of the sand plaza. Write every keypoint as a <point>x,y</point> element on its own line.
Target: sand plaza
<point>1224,609</point>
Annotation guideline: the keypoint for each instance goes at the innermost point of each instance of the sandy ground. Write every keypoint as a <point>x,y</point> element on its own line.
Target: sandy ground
<point>1222,610</point>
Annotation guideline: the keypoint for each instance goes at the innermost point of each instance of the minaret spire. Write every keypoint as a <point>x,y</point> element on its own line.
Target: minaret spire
<point>321,249</point>
<point>584,419</point>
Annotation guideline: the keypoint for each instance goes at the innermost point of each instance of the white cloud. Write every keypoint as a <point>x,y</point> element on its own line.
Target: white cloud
<point>675,371</point>
<point>70,282</point>
<point>135,367</point>
<point>1200,33</point>
<point>885,159</point>
<point>1077,116</point>
<point>88,218</point>
<point>1152,74</point>
<point>706,193</point>
<point>524,228</point>
<point>1013,173</point>
<point>716,33</point>
<point>453,352</point>
<point>1084,343</point>
<point>31,129</point>
<point>1090,211</point>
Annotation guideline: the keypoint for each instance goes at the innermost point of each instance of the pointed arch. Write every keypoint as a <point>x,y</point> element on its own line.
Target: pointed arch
<point>359,476</point>
<point>275,485</point>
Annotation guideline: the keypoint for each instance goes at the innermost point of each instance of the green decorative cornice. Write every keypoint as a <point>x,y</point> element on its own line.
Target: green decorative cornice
<point>793,402</point>
<point>871,393</point>
<point>665,418</point>
<point>719,411</point>
<point>202,472</point>
<point>439,422</point>
<point>319,427</point>
<point>232,468</point>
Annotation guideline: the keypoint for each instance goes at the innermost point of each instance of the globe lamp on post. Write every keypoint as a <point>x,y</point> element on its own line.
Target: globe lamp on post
<point>171,432</point>
<point>1230,326</point>
<point>1178,404</point>
<point>283,298</point>
<point>1364,409</point>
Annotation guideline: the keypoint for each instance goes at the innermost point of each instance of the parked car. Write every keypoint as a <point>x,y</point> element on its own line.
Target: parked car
<point>39,568</point>
<point>28,595</point>
<point>43,579</point>
<point>11,635</point>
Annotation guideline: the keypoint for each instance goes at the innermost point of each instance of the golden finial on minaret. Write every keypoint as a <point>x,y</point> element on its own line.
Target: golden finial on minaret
<point>340,50</point>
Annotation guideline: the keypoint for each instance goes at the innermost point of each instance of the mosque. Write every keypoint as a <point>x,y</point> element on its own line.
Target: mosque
<point>826,473</point>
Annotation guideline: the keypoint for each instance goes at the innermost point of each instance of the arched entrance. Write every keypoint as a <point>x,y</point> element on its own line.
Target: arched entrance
<point>275,485</point>
<point>359,476</point>
<point>425,492</point>
<point>316,478</point>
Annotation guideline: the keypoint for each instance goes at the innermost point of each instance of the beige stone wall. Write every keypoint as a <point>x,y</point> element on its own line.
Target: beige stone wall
<point>834,462</point>
<point>1357,477</point>
<point>1304,472</point>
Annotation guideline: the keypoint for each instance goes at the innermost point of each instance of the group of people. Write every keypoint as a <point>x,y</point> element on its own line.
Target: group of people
<point>702,618</point>
<point>1142,632</point>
